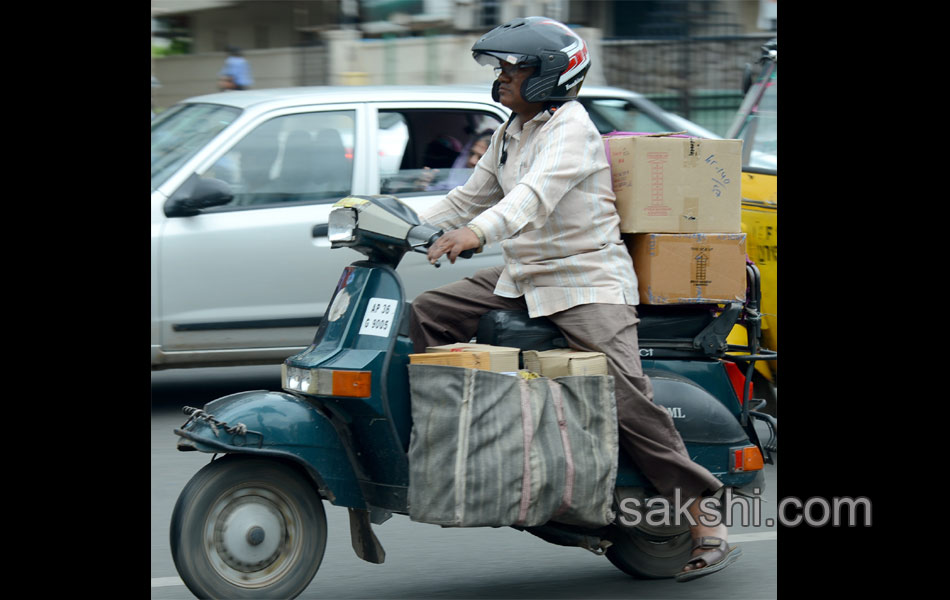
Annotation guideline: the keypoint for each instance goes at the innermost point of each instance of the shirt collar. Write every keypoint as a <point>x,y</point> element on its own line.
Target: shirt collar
<point>517,126</point>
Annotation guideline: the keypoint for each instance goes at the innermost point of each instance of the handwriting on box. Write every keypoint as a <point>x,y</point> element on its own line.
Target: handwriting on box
<point>722,178</point>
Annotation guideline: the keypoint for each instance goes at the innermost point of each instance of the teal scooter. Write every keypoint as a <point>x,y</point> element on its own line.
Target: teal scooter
<point>252,522</point>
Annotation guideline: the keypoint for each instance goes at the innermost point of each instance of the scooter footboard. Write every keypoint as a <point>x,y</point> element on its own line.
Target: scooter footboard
<point>278,425</point>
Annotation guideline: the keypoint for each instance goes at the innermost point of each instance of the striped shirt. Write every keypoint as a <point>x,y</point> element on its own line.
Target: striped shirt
<point>551,206</point>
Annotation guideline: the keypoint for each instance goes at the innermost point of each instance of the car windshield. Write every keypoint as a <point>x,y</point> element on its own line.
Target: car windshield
<point>181,131</point>
<point>759,130</point>
<point>617,114</point>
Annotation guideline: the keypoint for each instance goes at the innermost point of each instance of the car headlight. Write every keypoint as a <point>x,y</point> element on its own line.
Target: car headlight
<point>326,382</point>
<point>341,225</point>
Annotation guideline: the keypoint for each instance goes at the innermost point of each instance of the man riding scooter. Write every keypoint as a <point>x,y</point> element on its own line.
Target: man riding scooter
<point>543,191</point>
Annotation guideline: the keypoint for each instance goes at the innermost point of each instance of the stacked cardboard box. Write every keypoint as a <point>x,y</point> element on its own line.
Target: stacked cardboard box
<point>469,360</point>
<point>680,268</point>
<point>680,214</point>
<point>559,363</point>
<point>675,184</point>
<point>500,359</point>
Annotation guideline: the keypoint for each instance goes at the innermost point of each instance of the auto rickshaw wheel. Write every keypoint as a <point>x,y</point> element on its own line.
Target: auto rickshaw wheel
<point>248,527</point>
<point>649,556</point>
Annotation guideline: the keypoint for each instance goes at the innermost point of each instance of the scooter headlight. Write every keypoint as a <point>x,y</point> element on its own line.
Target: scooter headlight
<point>341,225</point>
<point>327,382</point>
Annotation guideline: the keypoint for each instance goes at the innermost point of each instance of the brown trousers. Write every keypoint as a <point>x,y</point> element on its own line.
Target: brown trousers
<point>451,313</point>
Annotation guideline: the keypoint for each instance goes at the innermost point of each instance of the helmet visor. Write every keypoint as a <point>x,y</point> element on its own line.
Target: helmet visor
<point>495,59</point>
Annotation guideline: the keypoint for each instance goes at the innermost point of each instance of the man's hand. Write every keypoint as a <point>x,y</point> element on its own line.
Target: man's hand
<point>452,244</point>
<point>425,178</point>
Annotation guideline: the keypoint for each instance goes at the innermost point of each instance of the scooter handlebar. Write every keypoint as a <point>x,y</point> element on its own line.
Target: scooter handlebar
<point>422,236</point>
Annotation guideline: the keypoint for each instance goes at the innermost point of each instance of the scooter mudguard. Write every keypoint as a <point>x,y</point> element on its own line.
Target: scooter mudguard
<point>279,425</point>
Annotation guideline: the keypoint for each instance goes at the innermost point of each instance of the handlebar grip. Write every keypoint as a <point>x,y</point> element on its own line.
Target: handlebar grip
<point>467,254</point>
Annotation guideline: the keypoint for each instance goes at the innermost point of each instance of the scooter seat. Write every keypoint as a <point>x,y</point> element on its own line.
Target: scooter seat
<point>683,328</point>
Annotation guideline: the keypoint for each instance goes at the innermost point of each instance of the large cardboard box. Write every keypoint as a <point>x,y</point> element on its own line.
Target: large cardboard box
<point>683,268</point>
<point>502,359</point>
<point>561,362</point>
<point>676,184</point>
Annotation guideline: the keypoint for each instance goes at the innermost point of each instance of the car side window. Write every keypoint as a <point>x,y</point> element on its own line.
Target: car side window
<point>299,158</point>
<point>426,150</point>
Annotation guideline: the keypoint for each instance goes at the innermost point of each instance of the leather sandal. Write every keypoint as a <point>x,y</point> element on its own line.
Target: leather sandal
<point>718,556</point>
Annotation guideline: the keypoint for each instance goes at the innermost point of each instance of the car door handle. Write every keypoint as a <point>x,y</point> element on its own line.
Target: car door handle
<point>321,230</point>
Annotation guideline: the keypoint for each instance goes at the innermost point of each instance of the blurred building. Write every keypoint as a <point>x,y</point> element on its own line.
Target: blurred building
<point>688,55</point>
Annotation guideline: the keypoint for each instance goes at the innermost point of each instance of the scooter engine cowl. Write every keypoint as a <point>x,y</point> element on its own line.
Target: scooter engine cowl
<point>699,417</point>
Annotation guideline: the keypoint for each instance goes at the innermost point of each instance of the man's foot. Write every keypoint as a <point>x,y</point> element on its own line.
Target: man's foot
<point>711,554</point>
<point>711,551</point>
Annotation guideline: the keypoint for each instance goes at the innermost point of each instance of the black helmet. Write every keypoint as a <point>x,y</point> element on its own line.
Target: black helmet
<point>559,53</point>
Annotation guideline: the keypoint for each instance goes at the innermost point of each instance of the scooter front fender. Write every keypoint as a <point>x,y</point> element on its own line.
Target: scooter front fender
<point>280,425</point>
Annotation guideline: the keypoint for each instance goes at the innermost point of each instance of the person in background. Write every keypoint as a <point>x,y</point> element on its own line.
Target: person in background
<point>476,150</point>
<point>236,73</point>
<point>461,168</point>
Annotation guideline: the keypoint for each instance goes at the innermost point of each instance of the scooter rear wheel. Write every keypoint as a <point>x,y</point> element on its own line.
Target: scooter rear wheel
<point>647,556</point>
<point>248,527</point>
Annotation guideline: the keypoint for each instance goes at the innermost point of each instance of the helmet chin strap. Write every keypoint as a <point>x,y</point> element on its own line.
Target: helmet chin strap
<point>504,139</point>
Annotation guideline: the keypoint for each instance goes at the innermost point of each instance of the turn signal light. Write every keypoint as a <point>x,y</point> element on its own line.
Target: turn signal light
<point>355,384</point>
<point>747,458</point>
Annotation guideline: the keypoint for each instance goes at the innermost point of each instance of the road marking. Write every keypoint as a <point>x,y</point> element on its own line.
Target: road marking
<point>166,581</point>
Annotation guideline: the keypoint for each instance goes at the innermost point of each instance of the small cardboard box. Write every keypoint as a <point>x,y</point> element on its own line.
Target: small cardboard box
<point>684,268</point>
<point>469,360</point>
<point>532,358</point>
<point>561,362</point>
<point>502,359</point>
<point>676,184</point>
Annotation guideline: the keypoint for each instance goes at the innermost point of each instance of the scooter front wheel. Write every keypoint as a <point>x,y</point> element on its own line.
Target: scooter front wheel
<point>248,527</point>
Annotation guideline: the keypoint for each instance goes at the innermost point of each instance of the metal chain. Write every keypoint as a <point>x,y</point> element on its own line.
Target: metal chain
<point>195,414</point>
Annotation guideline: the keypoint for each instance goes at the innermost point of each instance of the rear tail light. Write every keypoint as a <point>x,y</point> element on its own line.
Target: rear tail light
<point>738,380</point>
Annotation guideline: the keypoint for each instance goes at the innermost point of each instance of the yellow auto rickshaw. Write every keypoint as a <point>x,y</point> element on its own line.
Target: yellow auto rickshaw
<point>756,125</point>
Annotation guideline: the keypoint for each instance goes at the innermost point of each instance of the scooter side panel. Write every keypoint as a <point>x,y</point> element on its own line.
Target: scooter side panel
<point>707,425</point>
<point>708,374</point>
<point>282,425</point>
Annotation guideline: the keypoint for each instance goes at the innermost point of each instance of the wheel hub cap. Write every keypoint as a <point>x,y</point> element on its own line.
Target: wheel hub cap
<point>255,535</point>
<point>249,534</point>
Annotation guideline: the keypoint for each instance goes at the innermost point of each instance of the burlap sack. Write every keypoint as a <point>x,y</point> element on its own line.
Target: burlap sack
<point>489,449</point>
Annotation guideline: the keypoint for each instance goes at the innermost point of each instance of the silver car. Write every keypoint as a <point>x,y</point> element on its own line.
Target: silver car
<point>247,282</point>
